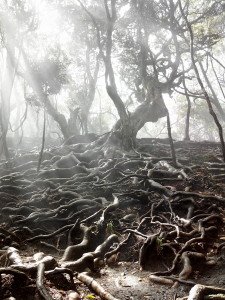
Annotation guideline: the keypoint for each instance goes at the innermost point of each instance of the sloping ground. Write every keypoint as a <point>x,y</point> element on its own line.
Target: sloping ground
<point>143,228</point>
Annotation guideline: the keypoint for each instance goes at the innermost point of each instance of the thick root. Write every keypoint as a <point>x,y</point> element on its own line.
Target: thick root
<point>198,292</point>
<point>98,289</point>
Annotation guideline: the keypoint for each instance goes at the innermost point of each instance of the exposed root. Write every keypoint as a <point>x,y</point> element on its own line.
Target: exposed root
<point>21,276</point>
<point>40,282</point>
<point>87,259</point>
<point>76,251</point>
<point>187,268</point>
<point>93,284</point>
<point>199,292</point>
<point>85,202</point>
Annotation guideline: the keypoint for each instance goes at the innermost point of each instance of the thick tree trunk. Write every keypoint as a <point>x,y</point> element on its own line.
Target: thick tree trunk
<point>124,132</point>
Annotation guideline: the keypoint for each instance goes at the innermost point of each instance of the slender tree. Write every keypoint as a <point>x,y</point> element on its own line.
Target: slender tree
<point>187,123</point>
<point>207,98</point>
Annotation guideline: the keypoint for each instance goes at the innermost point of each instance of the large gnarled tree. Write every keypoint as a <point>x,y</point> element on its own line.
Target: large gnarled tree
<point>151,39</point>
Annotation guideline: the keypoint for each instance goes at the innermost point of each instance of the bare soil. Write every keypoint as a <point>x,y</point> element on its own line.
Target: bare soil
<point>159,219</point>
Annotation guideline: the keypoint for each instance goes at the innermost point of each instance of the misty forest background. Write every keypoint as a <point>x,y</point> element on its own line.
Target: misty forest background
<point>96,66</point>
<point>112,154</point>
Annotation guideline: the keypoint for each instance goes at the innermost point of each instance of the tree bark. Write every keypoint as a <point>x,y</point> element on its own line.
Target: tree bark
<point>43,142</point>
<point>187,123</point>
<point>6,92</point>
<point>173,152</point>
<point>109,72</point>
<point>214,99</point>
<point>145,112</point>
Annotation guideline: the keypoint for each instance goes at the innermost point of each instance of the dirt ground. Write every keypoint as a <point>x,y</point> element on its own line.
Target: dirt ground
<point>125,281</point>
<point>28,199</point>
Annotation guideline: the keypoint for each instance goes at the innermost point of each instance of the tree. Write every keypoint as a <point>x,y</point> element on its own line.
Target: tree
<point>46,79</point>
<point>47,74</point>
<point>207,98</point>
<point>9,67</point>
<point>153,38</point>
<point>86,64</point>
<point>144,44</point>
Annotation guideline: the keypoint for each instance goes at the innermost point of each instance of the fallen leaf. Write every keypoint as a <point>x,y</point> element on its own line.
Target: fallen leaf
<point>90,297</point>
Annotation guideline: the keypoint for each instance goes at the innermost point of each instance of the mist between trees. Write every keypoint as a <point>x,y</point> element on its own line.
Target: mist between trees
<point>123,67</point>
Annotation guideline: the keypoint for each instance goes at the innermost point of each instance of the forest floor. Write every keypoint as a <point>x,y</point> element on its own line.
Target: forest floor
<point>132,222</point>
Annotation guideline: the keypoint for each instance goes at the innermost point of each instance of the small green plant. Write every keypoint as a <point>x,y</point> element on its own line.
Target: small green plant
<point>109,228</point>
<point>94,229</point>
<point>158,245</point>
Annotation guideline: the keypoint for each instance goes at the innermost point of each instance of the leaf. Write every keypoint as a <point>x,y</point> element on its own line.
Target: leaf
<point>90,297</point>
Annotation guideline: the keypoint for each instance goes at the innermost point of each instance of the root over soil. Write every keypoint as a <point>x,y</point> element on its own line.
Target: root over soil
<point>97,223</point>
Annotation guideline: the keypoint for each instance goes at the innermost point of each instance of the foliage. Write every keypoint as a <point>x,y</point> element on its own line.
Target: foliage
<point>150,47</point>
<point>51,73</point>
<point>158,245</point>
<point>110,228</point>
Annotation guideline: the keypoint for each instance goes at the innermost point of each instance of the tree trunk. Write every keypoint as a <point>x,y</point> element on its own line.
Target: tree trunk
<point>173,152</point>
<point>6,92</point>
<point>73,121</point>
<point>124,133</point>
<point>58,117</point>
<point>187,123</point>
<point>51,110</point>
<point>91,87</point>
<point>3,143</point>
<point>214,99</point>
<point>42,143</point>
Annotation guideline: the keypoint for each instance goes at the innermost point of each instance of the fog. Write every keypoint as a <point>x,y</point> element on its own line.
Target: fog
<point>51,58</point>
